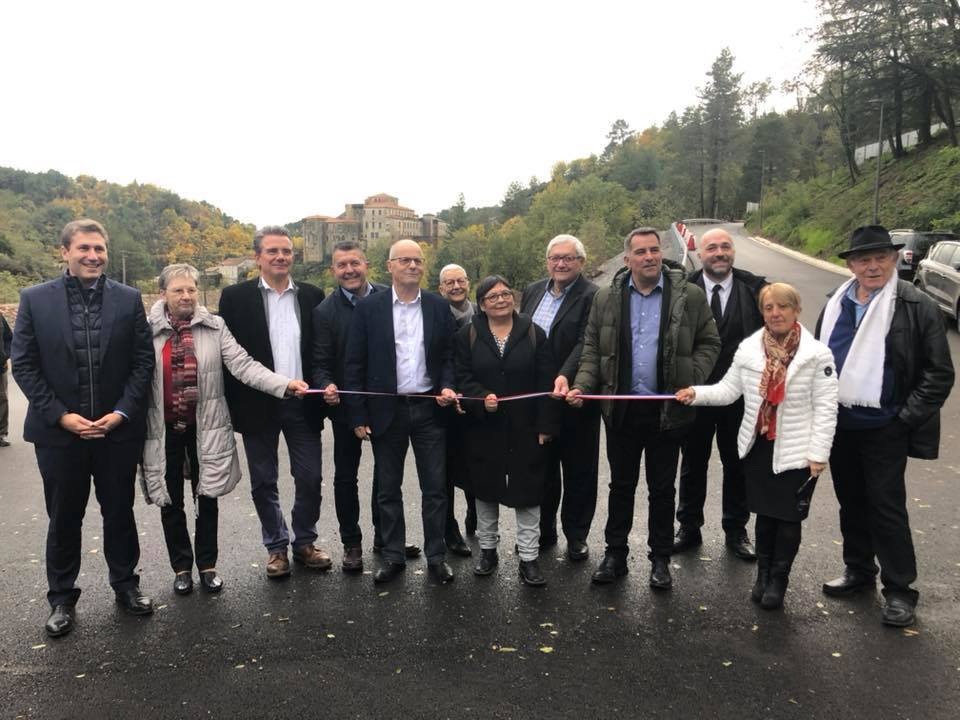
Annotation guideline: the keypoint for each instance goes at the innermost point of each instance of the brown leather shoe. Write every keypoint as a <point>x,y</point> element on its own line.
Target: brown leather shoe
<point>278,565</point>
<point>312,557</point>
<point>352,559</point>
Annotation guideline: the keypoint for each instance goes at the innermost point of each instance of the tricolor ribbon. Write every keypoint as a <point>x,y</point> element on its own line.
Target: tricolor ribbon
<point>508,398</point>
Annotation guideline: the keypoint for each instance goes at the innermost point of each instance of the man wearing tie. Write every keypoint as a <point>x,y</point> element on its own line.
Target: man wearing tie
<point>733,294</point>
<point>401,342</point>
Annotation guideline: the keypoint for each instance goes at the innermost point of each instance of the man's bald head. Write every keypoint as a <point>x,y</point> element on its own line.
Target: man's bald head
<point>405,248</point>
<point>716,253</point>
<point>406,265</point>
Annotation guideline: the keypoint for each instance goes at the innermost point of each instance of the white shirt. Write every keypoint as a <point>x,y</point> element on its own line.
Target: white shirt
<point>725,287</point>
<point>284,329</point>
<point>412,374</point>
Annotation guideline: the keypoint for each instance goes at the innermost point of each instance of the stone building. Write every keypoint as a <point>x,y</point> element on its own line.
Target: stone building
<point>380,218</point>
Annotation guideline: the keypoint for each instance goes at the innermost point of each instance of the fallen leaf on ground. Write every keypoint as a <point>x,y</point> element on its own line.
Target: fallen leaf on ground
<point>41,646</point>
<point>507,649</point>
<point>727,663</point>
<point>836,654</point>
<point>81,675</point>
<point>239,667</point>
<point>546,625</point>
<point>910,633</point>
<point>546,649</point>
<point>331,636</point>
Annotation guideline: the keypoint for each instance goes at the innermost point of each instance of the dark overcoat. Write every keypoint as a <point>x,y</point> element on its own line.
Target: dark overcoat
<point>505,462</point>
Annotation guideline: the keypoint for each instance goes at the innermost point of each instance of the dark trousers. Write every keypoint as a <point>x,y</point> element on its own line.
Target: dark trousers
<point>572,468</point>
<point>4,404</point>
<point>347,449</point>
<point>181,448</point>
<point>66,473</point>
<point>778,540</point>
<point>304,447</point>
<point>724,423</point>
<point>636,435</point>
<point>414,423</point>
<point>868,468</point>
<point>456,467</point>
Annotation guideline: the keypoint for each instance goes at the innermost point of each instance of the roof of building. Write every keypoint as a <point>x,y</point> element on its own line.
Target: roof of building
<point>317,217</point>
<point>230,262</point>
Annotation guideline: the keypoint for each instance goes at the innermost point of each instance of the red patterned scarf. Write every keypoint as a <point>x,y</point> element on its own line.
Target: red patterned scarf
<point>183,367</point>
<point>774,379</point>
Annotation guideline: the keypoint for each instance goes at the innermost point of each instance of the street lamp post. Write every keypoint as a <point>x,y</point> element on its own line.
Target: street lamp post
<point>762,169</point>
<point>876,185</point>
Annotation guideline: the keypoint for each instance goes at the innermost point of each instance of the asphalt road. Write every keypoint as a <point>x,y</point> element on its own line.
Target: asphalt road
<point>334,645</point>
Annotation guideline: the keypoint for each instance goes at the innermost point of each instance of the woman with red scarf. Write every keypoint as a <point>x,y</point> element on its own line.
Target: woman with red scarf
<point>188,423</point>
<point>789,385</point>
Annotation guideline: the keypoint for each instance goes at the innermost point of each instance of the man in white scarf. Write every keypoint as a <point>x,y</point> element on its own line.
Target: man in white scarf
<point>895,372</point>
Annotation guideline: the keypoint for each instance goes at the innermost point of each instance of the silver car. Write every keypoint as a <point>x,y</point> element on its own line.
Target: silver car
<point>938,275</point>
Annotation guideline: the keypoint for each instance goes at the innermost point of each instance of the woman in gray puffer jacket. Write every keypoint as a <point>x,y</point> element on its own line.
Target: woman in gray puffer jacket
<point>188,422</point>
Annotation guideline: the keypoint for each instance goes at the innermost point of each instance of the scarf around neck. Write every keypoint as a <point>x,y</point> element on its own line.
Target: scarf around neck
<point>183,371</point>
<point>773,382</point>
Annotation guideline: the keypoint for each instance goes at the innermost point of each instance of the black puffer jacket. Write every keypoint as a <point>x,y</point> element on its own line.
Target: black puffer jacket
<point>922,366</point>
<point>85,321</point>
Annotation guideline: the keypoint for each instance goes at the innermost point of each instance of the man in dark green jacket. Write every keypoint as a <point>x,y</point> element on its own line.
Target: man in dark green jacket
<point>650,333</point>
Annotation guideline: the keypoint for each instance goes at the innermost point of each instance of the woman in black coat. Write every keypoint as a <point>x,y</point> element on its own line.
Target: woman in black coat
<point>501,353</point>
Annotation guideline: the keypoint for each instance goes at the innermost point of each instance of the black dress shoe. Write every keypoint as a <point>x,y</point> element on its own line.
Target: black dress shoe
<point>530,573</point>
<point>135,602</point>
<point>741,547</point>
<point>388,572</point>
<point>459,547</point>
<point>409,551</point>
<point>687,539</point>
<point>660,574</point>
<point>440,572</point>
<point>61,620</point>
<point>851,582</point>
<point>610,568</point>
<point>183,583</point>
<point>898,612</point>
<point>577,550</point>
<point>488,562</point>
<point>210,581</point>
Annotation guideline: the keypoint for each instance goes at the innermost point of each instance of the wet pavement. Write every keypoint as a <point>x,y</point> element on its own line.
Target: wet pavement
<point>335,645</point>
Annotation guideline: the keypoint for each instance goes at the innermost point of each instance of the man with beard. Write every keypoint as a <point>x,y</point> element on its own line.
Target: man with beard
<point>733,295</point>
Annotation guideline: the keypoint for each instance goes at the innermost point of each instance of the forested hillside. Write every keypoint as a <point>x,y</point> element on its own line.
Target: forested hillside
<point>148,225</point>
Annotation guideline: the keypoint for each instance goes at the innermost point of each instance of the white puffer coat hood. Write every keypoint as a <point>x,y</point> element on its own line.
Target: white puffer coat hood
<point>807,417</point>
<point>214,347</point>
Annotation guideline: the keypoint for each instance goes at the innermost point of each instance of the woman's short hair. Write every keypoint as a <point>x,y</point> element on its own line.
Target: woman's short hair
<point>780,293</point>
<point>488,283</point>
<point>178,270</point>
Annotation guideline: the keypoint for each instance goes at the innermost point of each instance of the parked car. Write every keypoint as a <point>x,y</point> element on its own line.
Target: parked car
<point>939,277</point>
<point>915,247</point>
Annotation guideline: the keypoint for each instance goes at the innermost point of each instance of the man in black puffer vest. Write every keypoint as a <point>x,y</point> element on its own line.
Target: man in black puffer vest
<point>733,296</point>
<point>83,355</point>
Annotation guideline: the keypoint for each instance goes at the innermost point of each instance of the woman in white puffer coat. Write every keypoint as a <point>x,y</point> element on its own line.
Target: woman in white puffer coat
<point>188,421</point>
<point>788,381</point>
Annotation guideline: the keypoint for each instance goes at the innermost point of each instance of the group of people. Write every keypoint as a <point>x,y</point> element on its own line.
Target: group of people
<point>489,394</point>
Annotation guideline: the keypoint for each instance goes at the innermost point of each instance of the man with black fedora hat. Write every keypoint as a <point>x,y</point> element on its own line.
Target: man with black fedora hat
<point>895,372</point>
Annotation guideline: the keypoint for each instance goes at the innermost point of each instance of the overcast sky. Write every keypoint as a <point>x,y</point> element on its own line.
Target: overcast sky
<point>274,111</point>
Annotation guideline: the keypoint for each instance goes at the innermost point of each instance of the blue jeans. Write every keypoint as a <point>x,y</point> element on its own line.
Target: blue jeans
<point>305,466</point>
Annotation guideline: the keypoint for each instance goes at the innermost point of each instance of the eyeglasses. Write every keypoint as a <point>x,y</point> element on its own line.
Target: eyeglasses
<point>408,261</point>
<point>557,259</point>
<point>463,282</point>
<point>494,297</point>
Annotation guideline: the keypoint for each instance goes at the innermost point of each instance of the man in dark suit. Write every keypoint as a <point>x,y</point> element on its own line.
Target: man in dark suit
<point>560,305</point>
<point>83,355</point>
<point>271,317</point>
<point>733,295</point>
<point>401,341</point>
<point>331,323</point>
<point>6,337</point>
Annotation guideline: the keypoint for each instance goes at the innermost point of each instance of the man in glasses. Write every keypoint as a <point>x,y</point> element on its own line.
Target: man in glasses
<point>455,287</point>
<point>401,345</point>
<point>560,305</point>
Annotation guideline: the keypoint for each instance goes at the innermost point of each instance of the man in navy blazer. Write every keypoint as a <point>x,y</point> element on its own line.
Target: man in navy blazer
<point>83,355</point>
<point>401,342</point>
